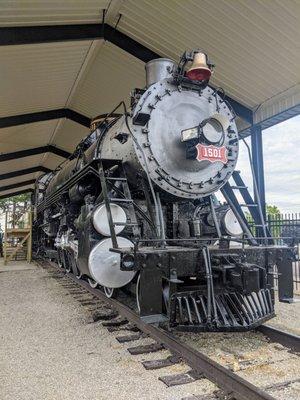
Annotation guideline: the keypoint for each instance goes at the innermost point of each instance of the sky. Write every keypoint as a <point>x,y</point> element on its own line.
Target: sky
<point>281,145</point>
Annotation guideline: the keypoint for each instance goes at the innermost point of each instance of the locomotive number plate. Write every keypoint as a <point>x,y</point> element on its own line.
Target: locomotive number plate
<point>211,153</point>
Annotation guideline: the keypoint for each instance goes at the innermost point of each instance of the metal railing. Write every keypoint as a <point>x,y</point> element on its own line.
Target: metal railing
<point>285,228</point>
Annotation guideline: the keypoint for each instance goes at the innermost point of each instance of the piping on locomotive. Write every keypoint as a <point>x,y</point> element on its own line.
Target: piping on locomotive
<point>134,207</point>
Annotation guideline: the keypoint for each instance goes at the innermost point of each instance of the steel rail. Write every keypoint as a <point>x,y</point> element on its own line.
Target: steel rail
<point>286,339</point>
<point>225,379</point>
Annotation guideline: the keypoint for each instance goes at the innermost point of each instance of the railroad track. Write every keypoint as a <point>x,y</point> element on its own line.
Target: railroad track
<point>117,316</point>
<point>282,337</point>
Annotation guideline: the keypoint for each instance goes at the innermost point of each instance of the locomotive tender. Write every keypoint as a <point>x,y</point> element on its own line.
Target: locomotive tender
<point>134,207</point>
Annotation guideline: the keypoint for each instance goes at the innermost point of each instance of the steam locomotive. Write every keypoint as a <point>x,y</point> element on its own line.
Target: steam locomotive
<point>135,208</point>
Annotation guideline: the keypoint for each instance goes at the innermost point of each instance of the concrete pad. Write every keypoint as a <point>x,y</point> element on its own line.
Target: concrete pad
<point>50,350</point>
<point>16,266</point>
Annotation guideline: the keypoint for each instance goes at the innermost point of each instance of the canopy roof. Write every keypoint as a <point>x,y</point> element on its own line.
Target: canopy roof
<point>61,65</point>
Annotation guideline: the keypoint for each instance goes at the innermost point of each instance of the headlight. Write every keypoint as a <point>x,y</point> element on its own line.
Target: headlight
<point>189,134</point>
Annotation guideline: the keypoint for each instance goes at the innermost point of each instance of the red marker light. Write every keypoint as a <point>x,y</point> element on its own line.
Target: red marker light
<point>199,74</point>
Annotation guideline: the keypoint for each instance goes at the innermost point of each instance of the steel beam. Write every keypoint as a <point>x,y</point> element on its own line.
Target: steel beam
<point>49,33</point>
<point>22,119</point>
<point>129,45</point>
<point>77,117</point>
<point>258,166</point>
<point>27,171</point>
<point>5,196</point>
<point>60,33</point>
<point>31,152</point>
<point>275,119</point>
<point>17,185</point>
<point>241,110</point>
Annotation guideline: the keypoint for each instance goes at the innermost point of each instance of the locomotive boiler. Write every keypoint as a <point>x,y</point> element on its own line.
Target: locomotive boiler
<point>135,208</point>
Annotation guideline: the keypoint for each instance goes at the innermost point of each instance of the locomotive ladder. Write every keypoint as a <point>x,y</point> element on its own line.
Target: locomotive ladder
<point>107,182</point>
<point>259,223</point>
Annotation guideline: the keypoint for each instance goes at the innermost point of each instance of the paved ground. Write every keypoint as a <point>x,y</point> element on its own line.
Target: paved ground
<point>50,349</point>
<point>287,316</point>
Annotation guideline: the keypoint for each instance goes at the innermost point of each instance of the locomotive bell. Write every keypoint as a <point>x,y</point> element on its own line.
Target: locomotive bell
<point>199,70</point>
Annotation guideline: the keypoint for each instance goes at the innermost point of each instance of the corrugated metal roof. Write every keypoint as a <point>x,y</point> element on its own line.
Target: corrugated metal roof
<point>279,103</point>
<point>112,76</point>
<point>12,191</point>
<point>43,12</point>
<point>51,161</point>
<point>38,77</point>
<point>20,164</point>
<point>252,42</point>
<point>68,135</point>
<point>17,180</point>
<point>26,136</point>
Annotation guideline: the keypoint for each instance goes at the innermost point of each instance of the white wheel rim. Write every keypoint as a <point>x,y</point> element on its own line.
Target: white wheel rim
<point>92,283</point>
<point>137,294</point>
<point>108,291</point>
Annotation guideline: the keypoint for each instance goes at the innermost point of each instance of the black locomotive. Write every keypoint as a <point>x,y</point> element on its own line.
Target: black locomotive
<point>134,207</point>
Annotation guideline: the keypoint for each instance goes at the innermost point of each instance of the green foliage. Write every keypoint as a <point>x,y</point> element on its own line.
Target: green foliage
<point>273,220</point>
<point>20,199</point>
<point>272,210</point>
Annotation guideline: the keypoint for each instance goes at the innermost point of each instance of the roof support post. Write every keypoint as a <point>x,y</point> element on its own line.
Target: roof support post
<point>258,166</point>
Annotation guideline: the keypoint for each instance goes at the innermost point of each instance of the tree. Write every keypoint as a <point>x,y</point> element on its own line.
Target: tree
<point>19,200</point>
<point>16,205</point>
<point>273,215</point>
<point>272,210</point>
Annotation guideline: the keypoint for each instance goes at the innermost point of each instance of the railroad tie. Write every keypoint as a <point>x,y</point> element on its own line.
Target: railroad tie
<point>130,338</point>
<point>161,363</point>
<point>104,315</point>
<point>128,327</point>
<point>181,379</point>
<point>201,397</point>
<point>115,322</point>
<point>145,349</point>
<point>281,385</point>
<point>216,395</point>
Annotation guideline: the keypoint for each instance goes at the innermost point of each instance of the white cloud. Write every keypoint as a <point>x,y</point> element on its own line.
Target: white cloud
<point>281,145</point>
